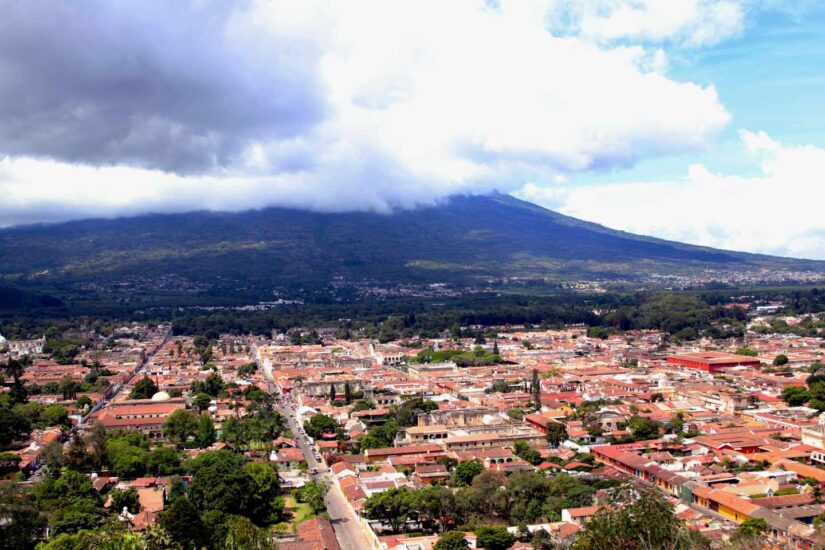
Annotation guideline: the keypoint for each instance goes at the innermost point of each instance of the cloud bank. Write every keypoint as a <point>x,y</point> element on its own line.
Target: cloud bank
<point>120,108</point>
<point>777,211</point>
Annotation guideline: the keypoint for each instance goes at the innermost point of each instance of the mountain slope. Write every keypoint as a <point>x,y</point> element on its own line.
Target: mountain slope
<point>465,240</point>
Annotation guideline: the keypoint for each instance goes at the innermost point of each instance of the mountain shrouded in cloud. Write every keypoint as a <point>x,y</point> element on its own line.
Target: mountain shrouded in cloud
<point>121,108</point>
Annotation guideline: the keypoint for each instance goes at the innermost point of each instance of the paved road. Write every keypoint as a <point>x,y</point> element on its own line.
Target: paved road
<point>112,393</point>
<point>344,522</point>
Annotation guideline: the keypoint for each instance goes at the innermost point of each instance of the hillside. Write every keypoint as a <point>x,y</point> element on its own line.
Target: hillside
<point>466,240</point>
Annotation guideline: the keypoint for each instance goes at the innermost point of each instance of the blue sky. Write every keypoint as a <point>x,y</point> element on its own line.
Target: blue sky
<point>692,120</point>
<point>771,78</point>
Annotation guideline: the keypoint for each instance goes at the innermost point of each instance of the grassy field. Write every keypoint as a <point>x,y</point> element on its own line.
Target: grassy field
<point>296,512</point>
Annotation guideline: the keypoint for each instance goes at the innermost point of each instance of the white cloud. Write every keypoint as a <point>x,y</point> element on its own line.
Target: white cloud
<point>778,211</point>
<point>416,101</point>
<point>689,23</point>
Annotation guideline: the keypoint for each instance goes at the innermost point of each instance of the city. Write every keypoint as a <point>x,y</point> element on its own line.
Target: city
<point>386,445</point>
<point>412,275</point>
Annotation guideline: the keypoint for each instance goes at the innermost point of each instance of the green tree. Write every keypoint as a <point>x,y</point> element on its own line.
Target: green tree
<point>128,499</point>
<point>536,388</point>
<point>100,445</point>
<point>76,456</point>
<point>494,538</point>
<point>213,385</point>
<point>637,518</point>
<point>644,428</point>
<point>53,459</point>
<point>332,393</point>
<point>466,470</point>
<point>780,360</point>
<point>347,393</point>
<point>68,388</point>
<point>9,463</point>
<point>55,415</point>
<point>180,426</point>
<point>451,540</point>
<point>13,427</point>
<point>184,524</point>
<point>318,424</point>
<point>748,352</point>
<point>163,461</point>
<point>795,396</point>
<point>242,534</point>
<point>22,523</point>
<point>221,482</point>
<point>751,528</point>
<point>523,450</point>
<point>156,537</point>
<point>201,401</point>
<point>15,368</point>
<point>556,433</point>
<point>144,388</point>
<point>265,505</point>
<point>363,405</point>
<point>313,493</point>
<point>205,435</point>
<point>392,507</point>
<point>128,461</point>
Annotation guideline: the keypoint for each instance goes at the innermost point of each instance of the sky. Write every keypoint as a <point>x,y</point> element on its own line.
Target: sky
<point>692,120</point>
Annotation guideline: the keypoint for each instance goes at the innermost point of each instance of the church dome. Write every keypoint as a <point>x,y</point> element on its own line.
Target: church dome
<point>161,396</point>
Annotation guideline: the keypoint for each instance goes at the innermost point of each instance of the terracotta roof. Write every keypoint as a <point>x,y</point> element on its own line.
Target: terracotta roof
<point>318,531</point>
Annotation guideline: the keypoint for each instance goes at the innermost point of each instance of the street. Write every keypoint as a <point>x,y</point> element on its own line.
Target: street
<point>344,522</point>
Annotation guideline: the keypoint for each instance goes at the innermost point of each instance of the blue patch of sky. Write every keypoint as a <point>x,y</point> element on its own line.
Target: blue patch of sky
<point>771,78</point>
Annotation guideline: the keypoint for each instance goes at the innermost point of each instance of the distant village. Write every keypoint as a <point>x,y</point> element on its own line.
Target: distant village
<point>728,431</point>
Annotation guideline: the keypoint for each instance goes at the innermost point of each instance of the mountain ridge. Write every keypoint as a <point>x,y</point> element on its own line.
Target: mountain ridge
<point>465,240</point>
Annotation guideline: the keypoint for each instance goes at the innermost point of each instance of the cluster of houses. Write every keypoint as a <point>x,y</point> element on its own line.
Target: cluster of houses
<point>702,421</point>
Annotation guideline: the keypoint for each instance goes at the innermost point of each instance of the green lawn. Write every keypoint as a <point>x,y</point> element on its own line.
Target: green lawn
<point>296,512</point>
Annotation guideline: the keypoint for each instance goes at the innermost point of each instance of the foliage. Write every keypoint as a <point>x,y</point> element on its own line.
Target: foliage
<point>556,433</point>
<point>21,521</point>
<point>494,538</point>
<point>318,424</point>
<point>13,427</point>
<point>242,534</point>
<point>644,428</point>
<point>180,426</point>
<point>253,431</point>
<point>392,507</point>
<point>212,385</point>
<point>380,436</point>
<point>144,388</point>
<point>363,405</point>
<point>313,493</point>
<point>523,450</point>
<point>201,401</point>
<point>751,530</point>
<point>126,499</point>
<point>451,540</point>
<point>163,461</point>
<point>637,518</point>
<point>184,524</point>
<point>795,396</point>
<point>64,350</point>
<point>70,502</point>
<point>476,357</point>
<point>499,386</point>
<point>221,482</point>
<point>41,416</point>
<point>205,434</point>
<point>466,470</point>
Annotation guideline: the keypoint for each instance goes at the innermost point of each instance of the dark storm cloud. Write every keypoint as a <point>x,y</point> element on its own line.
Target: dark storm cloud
<point>179,86</point>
